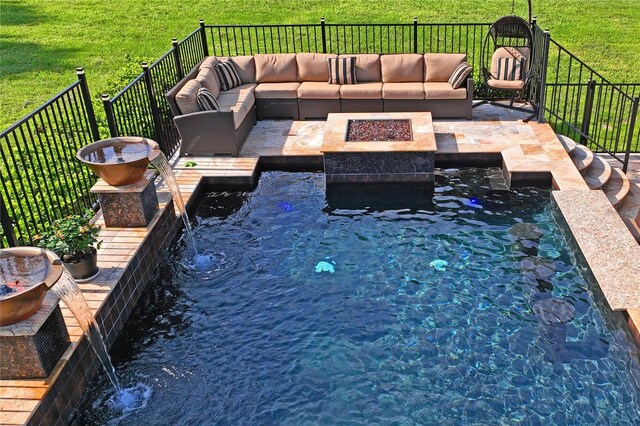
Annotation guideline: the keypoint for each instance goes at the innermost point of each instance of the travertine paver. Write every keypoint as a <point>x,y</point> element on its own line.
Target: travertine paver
<point>526,147</point>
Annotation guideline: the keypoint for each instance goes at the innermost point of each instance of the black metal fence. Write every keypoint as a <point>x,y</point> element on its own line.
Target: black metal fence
<point>41,180</point>
<point>141,108</point>
<point>580,103</point>
<point>415,37</point>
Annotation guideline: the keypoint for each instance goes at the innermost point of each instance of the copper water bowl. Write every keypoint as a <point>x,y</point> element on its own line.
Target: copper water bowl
<point>120,161</point>
<point>38,269</point>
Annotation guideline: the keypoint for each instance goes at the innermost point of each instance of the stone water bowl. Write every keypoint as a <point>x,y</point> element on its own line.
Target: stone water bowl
<point>26,273</point>
<point>120,161</point>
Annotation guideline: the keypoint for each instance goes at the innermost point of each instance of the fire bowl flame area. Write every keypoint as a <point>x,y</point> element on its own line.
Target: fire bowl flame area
<point>26,274</point>
<point>120,161</point>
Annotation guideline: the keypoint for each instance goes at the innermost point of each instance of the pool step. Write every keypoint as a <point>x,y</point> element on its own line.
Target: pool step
<point>630,211</point>
<point>568,143</point>
<point>598,173</point>
<point>617,187</point>
<point>582,158</point>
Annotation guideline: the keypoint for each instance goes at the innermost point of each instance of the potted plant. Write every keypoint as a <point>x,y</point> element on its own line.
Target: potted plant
<point>75,240</point>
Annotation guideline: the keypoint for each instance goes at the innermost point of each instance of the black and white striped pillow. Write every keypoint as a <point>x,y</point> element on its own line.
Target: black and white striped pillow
<point>206,100</point>
<point>510,69</point>
<point>227,75</point>
<point>342,70</point>
<point>460,74</point>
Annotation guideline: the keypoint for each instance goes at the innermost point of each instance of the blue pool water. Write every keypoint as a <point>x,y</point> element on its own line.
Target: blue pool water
<point>391,305</point>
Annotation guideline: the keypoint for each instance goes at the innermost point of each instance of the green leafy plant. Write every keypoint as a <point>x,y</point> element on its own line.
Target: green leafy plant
<point>190,164</point>
<point>73,238</point>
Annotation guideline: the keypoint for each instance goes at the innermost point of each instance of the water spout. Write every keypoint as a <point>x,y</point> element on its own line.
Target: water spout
<point>67,289</point>
<point>162,165</point>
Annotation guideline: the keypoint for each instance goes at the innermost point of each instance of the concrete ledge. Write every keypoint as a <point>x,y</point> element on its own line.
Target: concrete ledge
<point>610,251</point>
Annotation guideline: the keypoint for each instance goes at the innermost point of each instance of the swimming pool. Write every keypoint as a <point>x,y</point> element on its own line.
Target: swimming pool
<point>392,304</point>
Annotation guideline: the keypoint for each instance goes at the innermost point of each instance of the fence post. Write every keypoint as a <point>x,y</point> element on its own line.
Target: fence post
<point>543,75</point>
<point>84,88</point>
<point>632,128</point>
<point>323,32</point>
<point>176,57</point>
<point>415,34</point>
<point>203,36</point>
<point>7,224</point>
<point>111,121</point>
<point>155,115</point>
<point>586,115</point>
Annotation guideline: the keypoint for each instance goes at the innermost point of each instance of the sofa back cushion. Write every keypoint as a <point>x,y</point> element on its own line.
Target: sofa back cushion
<point>207,78</point>
<point>276,68</point>
<point>440,66</point>
<point>313,66</point>
<point>367,67</point>
<point>187,97</point>
<point>406,67</point>
<point>209,62</point>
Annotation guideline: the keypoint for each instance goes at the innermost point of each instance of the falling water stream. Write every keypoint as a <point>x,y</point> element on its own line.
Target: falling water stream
<point>162,165</point>
<point>126,400</point>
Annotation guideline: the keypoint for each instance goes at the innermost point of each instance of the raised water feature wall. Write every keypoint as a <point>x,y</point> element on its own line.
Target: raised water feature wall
<point>122,279</point>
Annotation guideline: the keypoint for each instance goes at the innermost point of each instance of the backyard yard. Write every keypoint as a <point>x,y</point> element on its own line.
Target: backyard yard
<point>42,42</point>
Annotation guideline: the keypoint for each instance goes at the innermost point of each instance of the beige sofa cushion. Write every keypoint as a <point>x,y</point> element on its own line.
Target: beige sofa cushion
<point>208,78</point>
<point>318,90</point>
<point>277,90</point>
<point>187,97</point>
<point>242,88</point>
<point>240,103</point>
<point>367,67</point>
<point>245,67</point>
<point>440,66</point>
<point>371,90</point>
<point>406,67</point>
<point>402,91</point>
<point>443,90</point>
<point>209,62</point>
<point>276,68</point>
<point>313,66</point>
<point>506,84</point>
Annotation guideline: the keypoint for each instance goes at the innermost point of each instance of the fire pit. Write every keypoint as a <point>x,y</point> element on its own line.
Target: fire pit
<point>391,147</point>
<point>378,130</point>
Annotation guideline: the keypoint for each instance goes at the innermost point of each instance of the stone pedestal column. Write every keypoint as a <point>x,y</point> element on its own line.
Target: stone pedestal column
<point>129,206</point>
<point>31,348</point>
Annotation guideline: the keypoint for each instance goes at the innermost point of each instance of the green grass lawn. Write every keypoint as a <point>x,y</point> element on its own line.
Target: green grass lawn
<point>43,41</point>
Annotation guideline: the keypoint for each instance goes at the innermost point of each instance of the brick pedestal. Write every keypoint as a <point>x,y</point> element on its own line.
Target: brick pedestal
<point>31,348</point>
<point>129,206</point>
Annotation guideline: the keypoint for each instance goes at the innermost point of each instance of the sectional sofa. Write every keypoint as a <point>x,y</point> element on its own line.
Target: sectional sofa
<point>297,86</point>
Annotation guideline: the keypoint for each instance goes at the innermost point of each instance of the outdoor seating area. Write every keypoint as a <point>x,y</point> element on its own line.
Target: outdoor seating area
<point>312,85</point>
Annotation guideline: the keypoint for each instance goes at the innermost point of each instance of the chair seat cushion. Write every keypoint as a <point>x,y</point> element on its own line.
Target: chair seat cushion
<point>403,91</point>
<point>361,91</point>
<point>277,90</point>
<point>318,90</point>
<point>505,84</point>
<point>251,87</point>
<point>443,90</point>
<point>240,103</point>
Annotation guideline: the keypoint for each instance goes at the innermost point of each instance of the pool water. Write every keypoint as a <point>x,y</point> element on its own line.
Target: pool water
<point>387,305</point>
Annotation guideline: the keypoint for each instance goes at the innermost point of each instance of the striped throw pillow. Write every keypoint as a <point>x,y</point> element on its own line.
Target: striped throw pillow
<point>227,75</point>
<point>342,70</point>
<point>206,100</point>
<point>510,69</point>
<point>460,74</point>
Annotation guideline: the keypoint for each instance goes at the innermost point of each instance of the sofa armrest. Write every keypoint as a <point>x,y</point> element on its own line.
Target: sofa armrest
<point>470,88</point>
<point>207,133</point>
